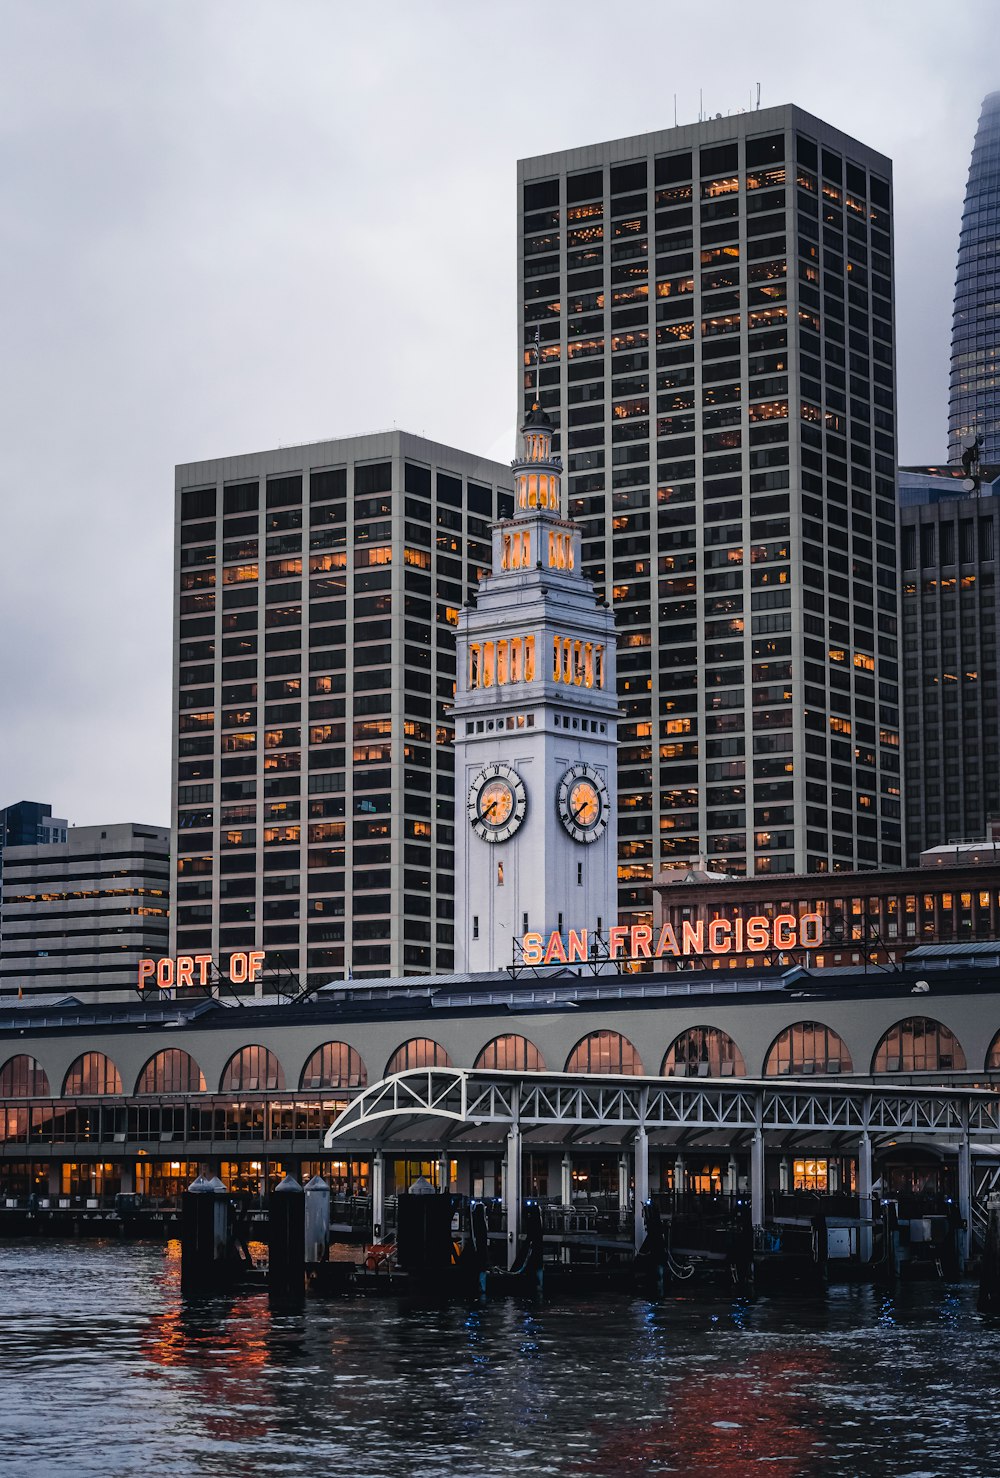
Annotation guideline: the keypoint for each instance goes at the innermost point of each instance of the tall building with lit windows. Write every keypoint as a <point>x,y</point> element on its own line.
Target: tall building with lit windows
<point>714,305</point>
<point>950,532</point>
<point>318,590</point>
<point>974,402</point>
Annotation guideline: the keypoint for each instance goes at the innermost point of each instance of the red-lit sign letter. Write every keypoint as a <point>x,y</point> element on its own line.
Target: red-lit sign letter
<point>617,935</point>
<point>147,969</point>
<point>784,931</point>
<point>720,936</point>
<point>531,949</point>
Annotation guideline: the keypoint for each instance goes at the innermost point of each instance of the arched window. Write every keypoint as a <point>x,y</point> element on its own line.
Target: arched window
<point>252,1070</point>
<point>417,1052</point>
<point>92,1072</point>
<point>992,1056</point>
<point>334,1065</point>
<point>511,1054</point>
<point>21,1077</point>
<point>703,1052</point>
<point>918,1045</point>
<point>171,1071</point>
<point>807,1047</point>
<point>605,1052</point>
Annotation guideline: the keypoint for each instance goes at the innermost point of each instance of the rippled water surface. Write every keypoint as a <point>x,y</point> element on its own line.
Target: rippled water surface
<point>104,1370</point>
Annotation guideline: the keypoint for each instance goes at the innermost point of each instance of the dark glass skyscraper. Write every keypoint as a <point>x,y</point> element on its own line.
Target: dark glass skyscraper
<point>974,402</point>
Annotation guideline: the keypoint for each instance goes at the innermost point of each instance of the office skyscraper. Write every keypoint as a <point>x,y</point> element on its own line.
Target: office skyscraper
<point>974,404</point>
<point>950,530</point>
<point>714,309</point>
<point>317,595</point>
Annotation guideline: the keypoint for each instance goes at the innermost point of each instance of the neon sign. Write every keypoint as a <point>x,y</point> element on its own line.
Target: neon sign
<point>755,935</point>
<point>245,966</point>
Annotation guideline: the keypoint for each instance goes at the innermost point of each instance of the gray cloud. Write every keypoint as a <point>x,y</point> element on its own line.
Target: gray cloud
<point>231,224</point>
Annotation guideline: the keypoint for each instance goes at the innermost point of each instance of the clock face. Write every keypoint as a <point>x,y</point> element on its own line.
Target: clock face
<point>497,803</point>
<point>583,803</point>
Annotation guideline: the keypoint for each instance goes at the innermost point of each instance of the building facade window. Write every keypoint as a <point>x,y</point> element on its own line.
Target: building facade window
<point>605,1052</point>
<point>918,1045</point>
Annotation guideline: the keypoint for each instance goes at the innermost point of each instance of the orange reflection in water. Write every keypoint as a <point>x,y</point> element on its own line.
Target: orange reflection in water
<point>223,1340</point>
<point>762,1419</point>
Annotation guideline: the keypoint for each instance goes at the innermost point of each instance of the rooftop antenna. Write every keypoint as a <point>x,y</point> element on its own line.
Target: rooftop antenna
<point>701,107</point>
<point>758,96</point>
<point>675,110</point>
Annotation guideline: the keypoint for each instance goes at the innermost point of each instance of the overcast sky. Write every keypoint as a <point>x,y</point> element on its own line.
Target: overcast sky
<point>229,224</point>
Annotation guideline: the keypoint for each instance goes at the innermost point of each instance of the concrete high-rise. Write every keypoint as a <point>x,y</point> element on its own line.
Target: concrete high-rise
<point>318,590</point>
<point>80,913</point>
<point>974,402</point>
<point>713,308</point>
<point>950,531</point>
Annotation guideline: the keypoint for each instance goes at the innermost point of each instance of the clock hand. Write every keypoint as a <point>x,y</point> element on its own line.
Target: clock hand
<point>491,807</point>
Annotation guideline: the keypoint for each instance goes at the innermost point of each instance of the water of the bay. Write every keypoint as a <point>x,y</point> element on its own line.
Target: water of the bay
<point>105,1370</point>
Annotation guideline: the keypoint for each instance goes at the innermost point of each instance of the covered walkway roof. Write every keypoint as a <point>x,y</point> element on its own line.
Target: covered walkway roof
<point>455,1108</point>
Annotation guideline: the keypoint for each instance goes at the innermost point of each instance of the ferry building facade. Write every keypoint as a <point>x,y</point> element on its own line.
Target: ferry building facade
<point>544,1067</point>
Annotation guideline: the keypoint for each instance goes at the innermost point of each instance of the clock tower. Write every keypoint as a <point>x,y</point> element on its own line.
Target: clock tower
<point>536,711</point>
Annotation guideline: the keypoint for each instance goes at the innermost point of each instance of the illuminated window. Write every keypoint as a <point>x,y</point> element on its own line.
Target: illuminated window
<point>171,1071</point>
<point>807,1047</point>
<point>703,1051</point>
<point>22,1077</point>
<point>992,1058</point>
<point>605,1052</point>
<point>252,1069</point>
<point>810,1175</point>
<point>334,1065</point>
<point>92,1073</point>
<point>917,1045</point>
<point>417,1052</point>
<point>511,1054</point>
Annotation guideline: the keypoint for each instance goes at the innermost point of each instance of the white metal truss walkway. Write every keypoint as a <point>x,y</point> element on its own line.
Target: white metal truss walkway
<point>439,1108</point>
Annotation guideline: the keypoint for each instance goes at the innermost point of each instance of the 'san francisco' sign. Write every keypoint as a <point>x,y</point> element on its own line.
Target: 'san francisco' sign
<point>755,935</point>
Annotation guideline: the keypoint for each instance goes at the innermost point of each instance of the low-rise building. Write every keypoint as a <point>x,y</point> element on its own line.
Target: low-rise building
<point>829,919</point>
<point>80,913</point>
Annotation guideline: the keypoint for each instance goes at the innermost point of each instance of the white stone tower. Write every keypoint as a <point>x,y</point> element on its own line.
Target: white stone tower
<point>536,711</point>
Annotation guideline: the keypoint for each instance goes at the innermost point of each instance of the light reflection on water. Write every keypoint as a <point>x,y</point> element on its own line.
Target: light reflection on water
<point>105,1370</point>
